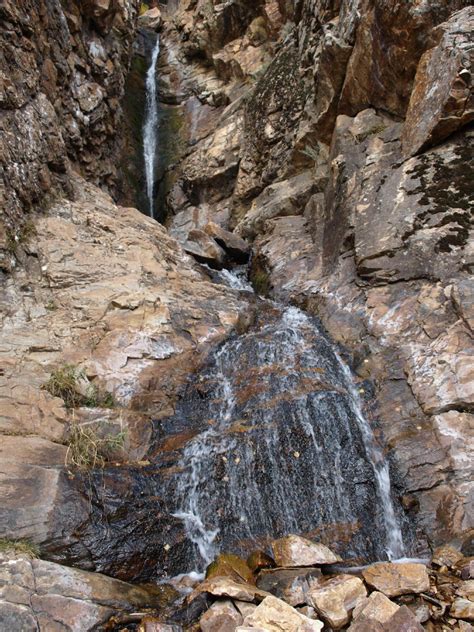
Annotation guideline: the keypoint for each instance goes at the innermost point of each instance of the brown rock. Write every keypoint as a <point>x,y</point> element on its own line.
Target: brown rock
<point>397,579</point>
<point>57,597</point>
<point>225,587</point>
<point>229,565</point>
<point>377,607</point>
<point>293,550</point>
<point>389,43</point>
<point>466,589</point>
<point>403,621</point>
<point>462,609</point>
<point>258,560</point>
<point>442,100</point>
<point>151,19</point>
<point>291,585</point>
<point>235,246</point>
<point>274,615</point>
<point>446,556</point>
<point>203,248</point>
<point>336,598</point>
<point>222,616</point>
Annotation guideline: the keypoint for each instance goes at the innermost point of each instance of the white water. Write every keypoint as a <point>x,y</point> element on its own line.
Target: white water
<point>150,127</point>
<point>297,464</point>
<point>394,539</point>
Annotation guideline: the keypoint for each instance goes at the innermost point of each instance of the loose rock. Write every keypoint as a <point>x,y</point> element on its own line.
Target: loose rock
<point>274,615</point>
<point>293,550</point>
<point>336,599</point>
<point>397,579</point>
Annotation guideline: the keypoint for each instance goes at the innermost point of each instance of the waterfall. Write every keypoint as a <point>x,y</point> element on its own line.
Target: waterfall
<point>394,538</point>
<point>284,448</point>
<point>150,126</point>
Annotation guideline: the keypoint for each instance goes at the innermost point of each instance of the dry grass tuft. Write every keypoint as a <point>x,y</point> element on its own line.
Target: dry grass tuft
<point>88,450</point>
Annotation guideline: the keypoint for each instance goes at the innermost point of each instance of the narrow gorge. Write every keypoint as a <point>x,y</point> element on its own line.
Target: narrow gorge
<point>236,260</point>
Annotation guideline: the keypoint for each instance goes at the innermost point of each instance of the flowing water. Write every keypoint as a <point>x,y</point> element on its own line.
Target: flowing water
<point>285,448</point>
<point>150,127</point>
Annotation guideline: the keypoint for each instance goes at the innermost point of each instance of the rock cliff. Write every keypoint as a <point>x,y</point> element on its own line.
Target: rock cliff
<point>63,68</point>
<point>339,144</point>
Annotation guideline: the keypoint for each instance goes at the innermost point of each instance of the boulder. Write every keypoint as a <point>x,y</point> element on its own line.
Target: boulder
<point>462,608</point>
<point>204,249</point>
<point>442,100</point>
<point>293,550</point>
<point>274,615</point>
<point>42,595</point>
<point>151,19</point>
<point>222,616</point>
<point>336,598</point>
<point>291,585</point>
<point>236,247</point>
<point>229,565</point>
<point>377,607</point>
<point>397,579</point>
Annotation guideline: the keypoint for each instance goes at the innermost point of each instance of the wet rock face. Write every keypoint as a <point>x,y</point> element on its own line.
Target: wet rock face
<point>64,70</point>
<point>265,438</point>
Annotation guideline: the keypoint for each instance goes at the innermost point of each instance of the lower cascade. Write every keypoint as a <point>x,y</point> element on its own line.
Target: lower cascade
<point>284,447</point>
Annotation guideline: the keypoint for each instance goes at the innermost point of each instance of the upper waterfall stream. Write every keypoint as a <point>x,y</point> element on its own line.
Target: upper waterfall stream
<point>150,127</point>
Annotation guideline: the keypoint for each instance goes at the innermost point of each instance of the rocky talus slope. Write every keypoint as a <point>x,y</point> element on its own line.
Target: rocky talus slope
<point>334,138</point>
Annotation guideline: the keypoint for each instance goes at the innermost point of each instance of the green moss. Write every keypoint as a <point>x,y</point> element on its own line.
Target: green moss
<point>20,547</point>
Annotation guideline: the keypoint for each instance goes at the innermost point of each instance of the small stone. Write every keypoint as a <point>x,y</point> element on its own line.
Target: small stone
<point>274,615</point>
<point>462,609</point>
<point>397,579</point>
<point>258,560</point>
<point>222,616</point>
<point>377,607</point>
<point>446,556</point>
<point>466,589</point>
<point>336,598</point>
<point>293,550</point>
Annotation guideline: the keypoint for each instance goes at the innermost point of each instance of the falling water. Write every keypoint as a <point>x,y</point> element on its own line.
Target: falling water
<point>150,126</point>
<point>394,539</point>
<point>287,448</point>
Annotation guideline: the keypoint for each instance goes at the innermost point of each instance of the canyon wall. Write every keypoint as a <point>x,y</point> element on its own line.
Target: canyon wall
<point>306,129</point>
<point>63,68</point>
